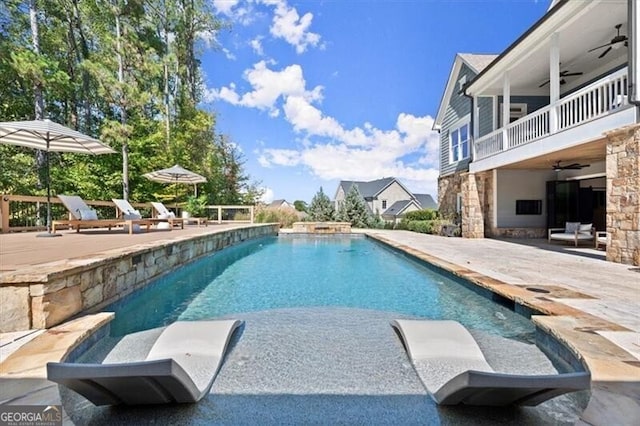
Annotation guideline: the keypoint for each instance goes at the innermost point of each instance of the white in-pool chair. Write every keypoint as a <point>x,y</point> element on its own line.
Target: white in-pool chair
<point>454,370</point>
<point>180,368</point>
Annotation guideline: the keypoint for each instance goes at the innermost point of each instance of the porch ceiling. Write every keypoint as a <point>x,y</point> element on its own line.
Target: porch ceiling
<point>588,153</point>
<point>581,26</point>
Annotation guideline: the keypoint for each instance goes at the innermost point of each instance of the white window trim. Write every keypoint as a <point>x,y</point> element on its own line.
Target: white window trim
<point>466,120</point>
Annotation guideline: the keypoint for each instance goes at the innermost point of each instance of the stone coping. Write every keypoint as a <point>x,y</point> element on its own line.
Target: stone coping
<point>53,345</point>
<point>573,328</point>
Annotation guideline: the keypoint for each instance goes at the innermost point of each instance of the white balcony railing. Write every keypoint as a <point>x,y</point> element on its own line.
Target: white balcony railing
<point>601,98</point>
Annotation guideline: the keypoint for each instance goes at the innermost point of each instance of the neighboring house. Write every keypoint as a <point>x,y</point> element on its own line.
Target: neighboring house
<point>285,205</point>
<point>453,122</point>
<point>387,197</point>
<point>554,131</point>
<point>280,204</point>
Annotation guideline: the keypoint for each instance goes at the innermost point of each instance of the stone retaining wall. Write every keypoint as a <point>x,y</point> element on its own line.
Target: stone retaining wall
<point>37,299</point>
<point>322,227</point>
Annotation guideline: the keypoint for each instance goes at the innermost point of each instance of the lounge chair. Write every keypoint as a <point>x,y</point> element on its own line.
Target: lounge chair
<point>180,368</point>
<point>572,232</point>
<point>601,239</point>
<point>454,370</point>
<point>129,212</point>
<point>83,216</point>
<point>164,212</point>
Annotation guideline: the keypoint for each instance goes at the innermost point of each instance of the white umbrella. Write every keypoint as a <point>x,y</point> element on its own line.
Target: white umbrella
<point>49,136</point>
<point>175,174</point>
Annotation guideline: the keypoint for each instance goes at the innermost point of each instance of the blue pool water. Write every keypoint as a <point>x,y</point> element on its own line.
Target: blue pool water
<point>299,271</point>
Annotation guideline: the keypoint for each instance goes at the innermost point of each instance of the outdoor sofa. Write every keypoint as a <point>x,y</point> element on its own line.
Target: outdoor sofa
<point>573,232</point>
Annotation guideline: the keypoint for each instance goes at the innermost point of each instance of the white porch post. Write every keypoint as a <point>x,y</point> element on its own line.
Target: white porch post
<point>554,82</point>
<point>476,125</point>
<point>506,109</point>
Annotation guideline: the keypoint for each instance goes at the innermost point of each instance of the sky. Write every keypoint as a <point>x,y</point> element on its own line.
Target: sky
<point>313,92</point>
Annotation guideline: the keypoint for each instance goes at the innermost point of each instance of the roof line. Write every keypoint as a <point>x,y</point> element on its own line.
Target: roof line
<point>513,45</point>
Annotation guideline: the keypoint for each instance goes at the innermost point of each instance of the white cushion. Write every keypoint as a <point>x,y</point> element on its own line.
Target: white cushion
<point>88,214</point>
<point>571,227</point>
<point>131,216</point>
<point>586,228</point>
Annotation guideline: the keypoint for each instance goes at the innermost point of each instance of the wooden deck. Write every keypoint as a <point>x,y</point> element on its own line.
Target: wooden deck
<point>24,249</point>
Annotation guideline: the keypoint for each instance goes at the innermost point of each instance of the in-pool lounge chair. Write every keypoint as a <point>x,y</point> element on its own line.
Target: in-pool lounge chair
<point>573,232</point>
<point>83,216</point>
<point>180,368</point>
<point>164,212</point>
<point>454,370</point>
<point>129,212</point>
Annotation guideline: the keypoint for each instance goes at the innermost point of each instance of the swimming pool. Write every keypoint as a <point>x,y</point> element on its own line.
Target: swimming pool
<point>316,346</point>
<point>307,271</point>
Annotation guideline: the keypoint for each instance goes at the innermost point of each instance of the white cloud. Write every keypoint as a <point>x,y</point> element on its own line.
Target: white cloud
<point>409,151</point>
<point>268,86</point>
<point>225,6</point>
<point>256,45</point>
<point>267,196</point>
<point>288,25</point>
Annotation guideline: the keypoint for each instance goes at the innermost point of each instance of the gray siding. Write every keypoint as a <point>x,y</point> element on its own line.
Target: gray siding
<point>485,119</point>
<point>459,106</point>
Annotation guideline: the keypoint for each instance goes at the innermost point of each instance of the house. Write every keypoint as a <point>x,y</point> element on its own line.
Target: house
<point>280,204</point>
<point>554,133</point>
<point>285,205</point>
<point>387,197</point>
<point>453,123</point>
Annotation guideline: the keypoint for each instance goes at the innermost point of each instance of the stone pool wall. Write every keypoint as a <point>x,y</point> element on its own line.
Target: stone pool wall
<point>48,294</point>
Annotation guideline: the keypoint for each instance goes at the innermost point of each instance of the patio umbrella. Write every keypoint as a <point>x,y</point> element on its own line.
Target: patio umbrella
<point>175,174</point>
<point>49,136</point>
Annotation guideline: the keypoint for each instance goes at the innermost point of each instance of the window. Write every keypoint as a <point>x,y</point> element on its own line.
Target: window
<point>458,203</point>
<point>384,204</point>
<point>459,143</point>
<point>516,112</point>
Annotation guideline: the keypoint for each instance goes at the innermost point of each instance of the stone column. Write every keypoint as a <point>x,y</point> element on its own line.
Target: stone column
<point>472,214</point>
<point>623,195</point>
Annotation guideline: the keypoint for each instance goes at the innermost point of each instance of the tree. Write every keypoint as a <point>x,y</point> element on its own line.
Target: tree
<point>354,209</point>
<point>321,207</point>
<point>300,205</point>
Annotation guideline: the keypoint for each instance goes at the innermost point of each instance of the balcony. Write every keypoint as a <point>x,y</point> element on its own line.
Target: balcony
<point>579,117</point>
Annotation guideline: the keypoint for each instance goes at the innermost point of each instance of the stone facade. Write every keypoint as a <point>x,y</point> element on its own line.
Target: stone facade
<point>473,205</point>
<point>41,300</point>
<point>448,189</point>
<point>623,195</point>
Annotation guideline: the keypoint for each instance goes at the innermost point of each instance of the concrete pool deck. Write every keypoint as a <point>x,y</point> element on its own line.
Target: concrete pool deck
<point>596,303</point>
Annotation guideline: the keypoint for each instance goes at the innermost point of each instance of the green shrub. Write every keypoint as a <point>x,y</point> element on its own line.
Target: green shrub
<point>424,226</point>
<point>285,217</point>
<point>426,214</point>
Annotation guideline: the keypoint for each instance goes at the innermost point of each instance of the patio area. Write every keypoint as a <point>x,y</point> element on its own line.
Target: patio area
<point>593,302</point>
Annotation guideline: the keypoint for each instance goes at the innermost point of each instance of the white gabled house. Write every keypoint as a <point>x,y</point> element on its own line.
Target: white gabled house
<point>554,130</point>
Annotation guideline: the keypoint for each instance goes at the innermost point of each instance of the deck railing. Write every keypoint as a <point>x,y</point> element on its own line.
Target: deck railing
<point>29,213</point>
<point>601,98</point>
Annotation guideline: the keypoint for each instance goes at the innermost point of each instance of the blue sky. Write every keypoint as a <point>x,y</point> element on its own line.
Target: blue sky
<point>313,91</point>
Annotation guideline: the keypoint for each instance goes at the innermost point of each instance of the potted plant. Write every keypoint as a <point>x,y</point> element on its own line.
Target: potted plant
<point>195,206</point>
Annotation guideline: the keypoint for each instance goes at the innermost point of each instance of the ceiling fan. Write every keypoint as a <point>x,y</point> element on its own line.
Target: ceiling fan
<point>613,44</point>
<point>564,73</point>
<point>574,166</point>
